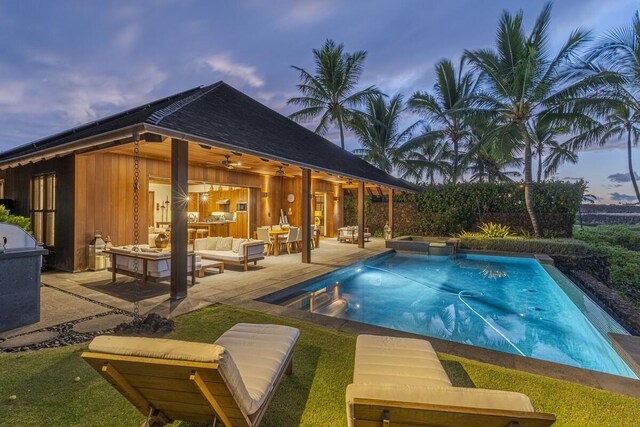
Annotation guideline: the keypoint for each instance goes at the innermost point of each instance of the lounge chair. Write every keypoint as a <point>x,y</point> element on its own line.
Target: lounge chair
<point>400,381</point>
<point>231,381</point>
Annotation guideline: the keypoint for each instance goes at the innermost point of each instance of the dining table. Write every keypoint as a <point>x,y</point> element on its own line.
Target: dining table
<point>276,234</point>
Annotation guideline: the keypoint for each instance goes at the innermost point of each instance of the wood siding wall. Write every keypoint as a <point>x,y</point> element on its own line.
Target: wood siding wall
<point>104,198</point>
<point>18,189</point>
<point>278,188</point>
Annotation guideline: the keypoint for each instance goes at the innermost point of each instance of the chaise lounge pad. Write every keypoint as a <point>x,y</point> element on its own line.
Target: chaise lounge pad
<point>390,360</point>
<point>251,357</point>
<point>157,348</point>
<point>259,353</point>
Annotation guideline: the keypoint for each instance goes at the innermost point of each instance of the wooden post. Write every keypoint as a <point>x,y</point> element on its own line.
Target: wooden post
<point>179,203</point>
<point>361,214</point>
<point>391,211</point>
<point>338,213</point>
<point>306,215</point>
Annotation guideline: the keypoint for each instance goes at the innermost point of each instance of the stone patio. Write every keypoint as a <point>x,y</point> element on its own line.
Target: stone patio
<point>233,286</point>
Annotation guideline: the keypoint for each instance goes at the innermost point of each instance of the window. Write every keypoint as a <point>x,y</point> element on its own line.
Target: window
<point>43,208</point>
<point>1,188</point>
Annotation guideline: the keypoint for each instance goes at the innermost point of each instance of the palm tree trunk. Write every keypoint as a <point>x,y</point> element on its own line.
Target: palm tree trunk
<point>540,163</point>
<point>341,133</point>
<point>528,191</point>
<point>454,177</point>
<point>632,174</point>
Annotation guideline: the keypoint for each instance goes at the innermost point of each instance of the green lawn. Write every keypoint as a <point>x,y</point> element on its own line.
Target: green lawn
<point>47,393</point>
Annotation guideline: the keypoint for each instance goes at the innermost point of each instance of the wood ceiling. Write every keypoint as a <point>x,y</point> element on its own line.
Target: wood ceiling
<point>213,157</point>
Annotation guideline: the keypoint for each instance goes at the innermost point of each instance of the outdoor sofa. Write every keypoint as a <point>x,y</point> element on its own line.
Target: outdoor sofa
<point>230,250</point>
<point>400,381</point>
<point>231,381</point>
<point>350,234</point>
<point>147,262</point>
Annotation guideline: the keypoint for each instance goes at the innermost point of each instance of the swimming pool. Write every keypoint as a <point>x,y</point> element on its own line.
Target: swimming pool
<point>501,303</point>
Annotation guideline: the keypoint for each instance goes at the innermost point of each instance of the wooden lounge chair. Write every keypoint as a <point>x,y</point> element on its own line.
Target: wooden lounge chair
<point>230,382</point>
<point>399,381</point>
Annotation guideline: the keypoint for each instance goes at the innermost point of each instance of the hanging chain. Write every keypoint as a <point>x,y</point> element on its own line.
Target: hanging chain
<point>136,222</point>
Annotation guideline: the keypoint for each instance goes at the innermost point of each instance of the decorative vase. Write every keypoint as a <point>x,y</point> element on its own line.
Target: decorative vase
<point>162,240</point>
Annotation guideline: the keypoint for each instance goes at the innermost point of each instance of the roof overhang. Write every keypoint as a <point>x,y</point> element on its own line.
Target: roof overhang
<point>200,140</point>
<point>129,134</point>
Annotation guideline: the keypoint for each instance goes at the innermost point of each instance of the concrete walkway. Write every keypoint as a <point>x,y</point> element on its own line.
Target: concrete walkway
<point>234,285</point>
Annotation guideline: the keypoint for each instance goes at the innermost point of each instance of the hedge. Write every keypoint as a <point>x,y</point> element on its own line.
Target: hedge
<point>449,209</point>
<point>535,246</point>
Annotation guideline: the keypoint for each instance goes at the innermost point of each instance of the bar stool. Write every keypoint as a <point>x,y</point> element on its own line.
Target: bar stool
<point>201,232</point>
<point>191,233</point>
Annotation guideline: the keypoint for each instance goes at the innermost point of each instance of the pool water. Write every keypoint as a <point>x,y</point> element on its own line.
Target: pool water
<point>507,304</point>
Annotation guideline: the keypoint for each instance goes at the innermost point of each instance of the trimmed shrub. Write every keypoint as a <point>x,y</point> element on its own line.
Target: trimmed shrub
<point>449,209</point>
<point>20,221</point>
<point>519,244</point>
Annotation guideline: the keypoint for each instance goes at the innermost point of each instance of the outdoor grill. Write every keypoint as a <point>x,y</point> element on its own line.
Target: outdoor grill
<point>20,263</point>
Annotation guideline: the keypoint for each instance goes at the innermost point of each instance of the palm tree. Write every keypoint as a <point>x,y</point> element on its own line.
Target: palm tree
<point>620,52</point>
<point>558,154</point>
<point>446,108</point>
<point>377,129</point>
<point>544,140</point>
<point>424,157</point>
<point>488,156</point>
<point>523,83</point>
<point>330,92</point>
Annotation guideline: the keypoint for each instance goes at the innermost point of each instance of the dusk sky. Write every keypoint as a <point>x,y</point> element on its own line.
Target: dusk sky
<point>64,63</point>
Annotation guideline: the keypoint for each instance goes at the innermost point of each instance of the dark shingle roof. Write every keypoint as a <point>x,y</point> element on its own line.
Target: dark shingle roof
<point>223,114</point>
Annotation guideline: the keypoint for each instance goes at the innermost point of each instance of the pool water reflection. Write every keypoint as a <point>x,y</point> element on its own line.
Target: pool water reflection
<point>506,304</point>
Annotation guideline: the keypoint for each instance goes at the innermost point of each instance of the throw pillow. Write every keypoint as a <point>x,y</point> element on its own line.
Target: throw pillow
<point>236,245</point>
<point>212,242</point>
<point>224,244</point>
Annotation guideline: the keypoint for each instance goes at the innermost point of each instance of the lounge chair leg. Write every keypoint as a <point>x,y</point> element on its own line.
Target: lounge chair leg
<point>289,369</point>
<point>385,418</point>
<point>155,418</point>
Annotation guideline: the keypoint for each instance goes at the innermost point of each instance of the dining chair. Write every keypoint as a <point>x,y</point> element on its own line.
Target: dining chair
<point>291,238</point>
<point>263,234</point>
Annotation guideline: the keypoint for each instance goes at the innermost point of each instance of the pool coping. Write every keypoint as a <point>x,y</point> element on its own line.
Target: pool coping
<point>595,379</point>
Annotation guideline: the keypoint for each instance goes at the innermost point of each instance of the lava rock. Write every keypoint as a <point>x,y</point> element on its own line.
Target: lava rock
<point>153,325</point>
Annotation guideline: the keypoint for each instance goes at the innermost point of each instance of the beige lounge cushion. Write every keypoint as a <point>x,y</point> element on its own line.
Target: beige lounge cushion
<point>212,242</point>
<point>221,255</point>
<point>224,244</point>
<point>259,353</point>
<point>157,348</point>
<point>401,361</point>
<point>448,396</point>
<point>235,247</point>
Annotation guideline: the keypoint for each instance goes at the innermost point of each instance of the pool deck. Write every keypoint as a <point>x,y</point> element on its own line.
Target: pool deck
<point>237,288</point>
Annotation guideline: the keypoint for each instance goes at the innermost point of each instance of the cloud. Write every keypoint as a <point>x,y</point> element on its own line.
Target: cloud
<point>307,12</point>
<point>622,177</point>
<point>619,197</point>
<point>77,96</point>
<point>225,65</point>
<point>572,178</point>
<point>127,38</point>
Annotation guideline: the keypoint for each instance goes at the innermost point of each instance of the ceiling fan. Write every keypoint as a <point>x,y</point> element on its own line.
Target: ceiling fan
<point>282,172</point>
<point>227,163</point>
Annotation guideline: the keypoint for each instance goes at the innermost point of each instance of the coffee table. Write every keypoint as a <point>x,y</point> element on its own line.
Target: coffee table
<point>206,264</point>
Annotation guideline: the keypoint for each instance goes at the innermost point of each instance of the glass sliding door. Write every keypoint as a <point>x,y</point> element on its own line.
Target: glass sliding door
<point>43,208</point>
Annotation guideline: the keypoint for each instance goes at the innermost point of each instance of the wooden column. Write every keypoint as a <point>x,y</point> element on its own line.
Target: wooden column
<point>361,214</point>
<point>179,192</point>
<point>306,215</point>
<point>391,211</point>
